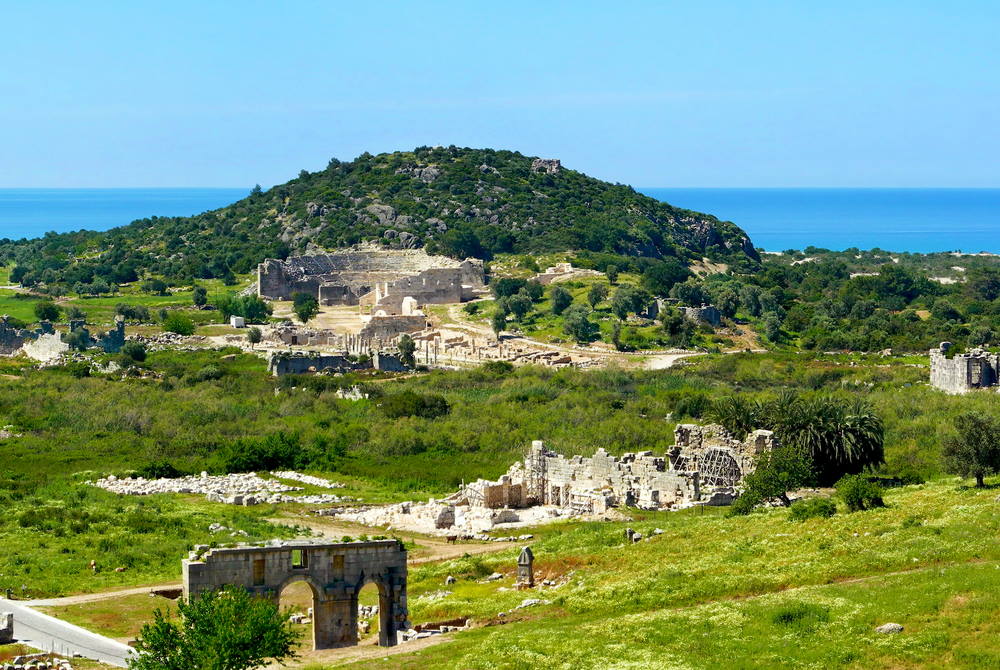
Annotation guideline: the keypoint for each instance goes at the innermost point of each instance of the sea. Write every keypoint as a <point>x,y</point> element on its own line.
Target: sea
<point>916,220</point>
<point>921,220</point>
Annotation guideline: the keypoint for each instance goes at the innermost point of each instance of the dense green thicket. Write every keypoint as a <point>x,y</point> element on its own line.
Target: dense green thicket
<point>460,202</point>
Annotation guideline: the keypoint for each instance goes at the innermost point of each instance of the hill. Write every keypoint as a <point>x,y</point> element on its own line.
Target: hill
<point>455,201</point>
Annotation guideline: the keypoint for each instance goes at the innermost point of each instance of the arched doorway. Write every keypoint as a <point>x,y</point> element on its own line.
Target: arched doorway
<point>719,468</point>
<point>297,600</point>
<point>369,611</point>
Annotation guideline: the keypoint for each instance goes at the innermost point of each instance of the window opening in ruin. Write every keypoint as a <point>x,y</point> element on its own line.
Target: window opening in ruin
<point>298,558</point>
<point>258,572</point>
<point>719,468</point>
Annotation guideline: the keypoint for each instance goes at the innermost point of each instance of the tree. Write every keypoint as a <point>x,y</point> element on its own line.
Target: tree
<point>690,292</point>
<point>507,286</point>
<point>577,323</point>
<point>199,296</point>
<point>727,301</point>
<point>46,310</point>
<point>974,449</point>
<point>217,630</point>
<point>772,326</point>
<point>406,348</point>
<point>612,272</point>
<point>561,299</point>
<point>305,306</point>
<point>499,322</point>
<point>254,336</point>
<point>155,286</point>
<point>597,294</point>
<point>661,276</point>
<point>534,290</point>
<point>250,307</point>
<point>785,468</point>
<point>623,302</point>
<point>74,313</point>
<point>175,322</point>
<point>519,305</point>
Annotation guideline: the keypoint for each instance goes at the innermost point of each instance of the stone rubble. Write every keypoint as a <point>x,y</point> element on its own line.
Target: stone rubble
<point>232,489</point>
<point>307,479</point>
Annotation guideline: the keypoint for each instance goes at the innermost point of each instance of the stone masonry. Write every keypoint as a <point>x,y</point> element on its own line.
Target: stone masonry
<point>705,465</point>
<point>374,277</point>
<point>335,572</point>
<point>966,372</point>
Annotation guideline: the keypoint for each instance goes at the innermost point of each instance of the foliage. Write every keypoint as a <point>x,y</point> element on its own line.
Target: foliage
<point>505,287</point>
<point>597,294</point>
<point>408,403</point>
<point>155,286</point>
<point>974,448</point>
<point>859,493</point>
<point>46,310</point>
<point>812,508</point>
<point>577,324</point>
<point>305,306</point>
<point>178,322</point>
<point>199,296</point>
<point>254,335</point>
<point>406,349</point>
<point>132,312</point>
<point>841,437</point>
<point>561,299</point>
<point>227,629</point>
<point>783,469</point>
<point>250,307</point>
<point>159,469</point>
<point>271,452</point>
<point>135,351</point>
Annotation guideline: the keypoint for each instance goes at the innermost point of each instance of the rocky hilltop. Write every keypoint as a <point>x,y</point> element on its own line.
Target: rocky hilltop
<point>453,201</point>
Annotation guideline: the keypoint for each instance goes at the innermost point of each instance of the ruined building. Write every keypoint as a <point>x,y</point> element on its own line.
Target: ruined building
<point>705,465</point>
<point>374,277</point>
<point>961,373</point>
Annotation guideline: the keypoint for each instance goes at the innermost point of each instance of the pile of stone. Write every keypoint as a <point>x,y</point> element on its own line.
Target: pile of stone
<point>307,479</point>
<point>37,662</point>
<point>367,611</point>
<point>232,489</point>
<point>299,617</point>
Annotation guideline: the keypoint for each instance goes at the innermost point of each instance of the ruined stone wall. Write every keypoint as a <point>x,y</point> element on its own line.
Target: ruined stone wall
<point>284,364</point>
<point>390,327</point>
<point>705,313</point>
<point>634,479</point>
<point>963,372</point>
<point>336,572</point>
<point>344,277</point>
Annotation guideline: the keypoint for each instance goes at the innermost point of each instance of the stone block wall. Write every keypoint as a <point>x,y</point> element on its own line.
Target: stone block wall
<point>966,372</point>
<point>335,572</point>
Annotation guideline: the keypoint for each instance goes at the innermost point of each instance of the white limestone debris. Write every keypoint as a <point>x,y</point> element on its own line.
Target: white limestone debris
<point>233,489</point>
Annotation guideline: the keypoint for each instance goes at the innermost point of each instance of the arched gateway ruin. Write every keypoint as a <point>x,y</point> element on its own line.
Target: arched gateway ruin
<point>336,572</point>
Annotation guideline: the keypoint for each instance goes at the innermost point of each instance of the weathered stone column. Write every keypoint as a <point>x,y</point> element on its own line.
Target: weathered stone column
<point>335,622</point>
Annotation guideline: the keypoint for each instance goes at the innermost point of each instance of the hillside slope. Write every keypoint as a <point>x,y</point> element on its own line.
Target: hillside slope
<point>461,202</point>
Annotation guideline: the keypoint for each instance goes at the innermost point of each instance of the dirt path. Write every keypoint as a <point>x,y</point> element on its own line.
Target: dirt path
<point>103,595</point>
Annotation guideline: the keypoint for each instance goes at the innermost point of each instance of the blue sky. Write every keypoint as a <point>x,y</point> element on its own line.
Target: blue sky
<point>647,93</point>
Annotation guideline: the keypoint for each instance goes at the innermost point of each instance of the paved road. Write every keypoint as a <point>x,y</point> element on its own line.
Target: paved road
<point>50,634</point>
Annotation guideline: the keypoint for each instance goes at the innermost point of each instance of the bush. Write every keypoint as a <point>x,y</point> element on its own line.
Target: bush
<point>78,369</point>
<point>159,470</point>
<point>273,452</point>
<point>207,373</point>
<point>814,508</point>
<point>858,493</point>
<point>801,616</point>
<point>175,322</point>
<point>408,403</point>
<point>46,310</point>
<point>135,351</point>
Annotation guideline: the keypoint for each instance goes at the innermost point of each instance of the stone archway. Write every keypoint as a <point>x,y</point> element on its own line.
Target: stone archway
<point>335,572</point>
